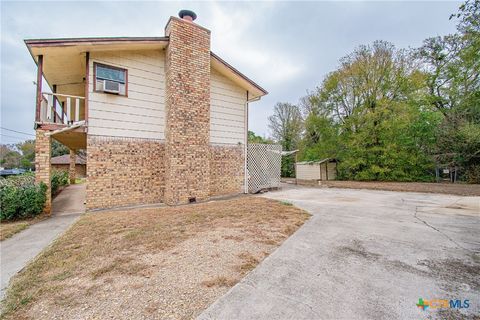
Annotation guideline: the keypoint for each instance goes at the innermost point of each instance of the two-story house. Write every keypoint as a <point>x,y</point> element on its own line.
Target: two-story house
<point>162,119</point>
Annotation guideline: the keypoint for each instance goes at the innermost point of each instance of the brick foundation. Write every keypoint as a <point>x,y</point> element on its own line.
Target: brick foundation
<point>43,146</point>
<point>187,152</point>
<point>226,170</point>
<point>124,171</point>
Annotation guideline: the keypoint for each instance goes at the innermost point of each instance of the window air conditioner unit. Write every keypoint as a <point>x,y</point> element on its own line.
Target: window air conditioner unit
<point>111,86</point>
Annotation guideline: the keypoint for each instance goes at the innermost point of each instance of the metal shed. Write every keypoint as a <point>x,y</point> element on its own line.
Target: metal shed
<point>325,169</point>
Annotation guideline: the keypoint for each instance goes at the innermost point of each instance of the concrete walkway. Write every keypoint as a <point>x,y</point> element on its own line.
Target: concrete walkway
<point>17,251</point>
<point>365,255</point>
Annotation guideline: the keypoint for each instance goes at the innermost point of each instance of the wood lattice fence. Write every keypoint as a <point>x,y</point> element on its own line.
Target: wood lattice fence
<point>263,164</point>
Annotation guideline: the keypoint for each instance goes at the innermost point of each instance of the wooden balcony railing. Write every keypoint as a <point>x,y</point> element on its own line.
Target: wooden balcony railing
<point>61,108</point>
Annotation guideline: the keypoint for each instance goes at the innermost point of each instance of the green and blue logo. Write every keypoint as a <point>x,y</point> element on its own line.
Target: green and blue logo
<point>424,304</point>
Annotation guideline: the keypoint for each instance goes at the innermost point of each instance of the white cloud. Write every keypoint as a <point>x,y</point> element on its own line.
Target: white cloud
<point>235,39</point>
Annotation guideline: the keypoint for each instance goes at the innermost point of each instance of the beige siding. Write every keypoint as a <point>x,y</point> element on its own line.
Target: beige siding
<point>308,171</point>
<point>227,111</point>
<point>332,171</point>
<point>315,171</point>
<point>142,113</point>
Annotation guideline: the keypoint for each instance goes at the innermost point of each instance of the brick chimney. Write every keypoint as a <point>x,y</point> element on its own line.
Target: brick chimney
<point>187,89</point>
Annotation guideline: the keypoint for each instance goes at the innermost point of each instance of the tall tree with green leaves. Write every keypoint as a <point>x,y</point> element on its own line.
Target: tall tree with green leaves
<point>452,66</point>
<point>59,149</point>
<point>253,138</point>
<point>367,114</point>
<point>286,126</point>
<point>27,149</point>
<point>9,157</point>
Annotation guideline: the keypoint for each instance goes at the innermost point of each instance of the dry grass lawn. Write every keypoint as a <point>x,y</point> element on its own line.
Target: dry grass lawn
<point>8,229</point>
<point>150,263</point>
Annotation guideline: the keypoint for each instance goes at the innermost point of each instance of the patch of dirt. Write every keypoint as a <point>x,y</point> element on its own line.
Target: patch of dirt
<point>153,263</point>
<point>465,272</point>
<point>451,314</point>
<point>453,275</point>
<point>358,250</point>
<point>345,199</point>
<point>445,188</point>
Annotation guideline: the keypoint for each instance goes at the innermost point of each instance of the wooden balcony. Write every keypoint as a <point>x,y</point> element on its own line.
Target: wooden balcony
<point>61,108</point>
<point>64,116</point>
<point>63,111</point>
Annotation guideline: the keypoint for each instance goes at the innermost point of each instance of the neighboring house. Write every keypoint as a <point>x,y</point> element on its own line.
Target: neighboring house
<point>162,119</point>
<point>63,163</point>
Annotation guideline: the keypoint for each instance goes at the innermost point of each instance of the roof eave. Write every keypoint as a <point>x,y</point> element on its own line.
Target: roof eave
<point>262,91</point>
<point>96,40</point>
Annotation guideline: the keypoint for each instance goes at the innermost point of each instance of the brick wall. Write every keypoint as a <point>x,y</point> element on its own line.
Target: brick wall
<point>43,145</point>
<point>124,171</point>
<point>187,156</point>
<point>71,167</point>
<point>226,170</point>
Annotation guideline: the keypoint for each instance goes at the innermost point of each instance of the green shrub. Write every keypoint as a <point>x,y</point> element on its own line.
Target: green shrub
<point>59,178</point>
<point>20,197</point>
<point>473,174</point>
<point>25,179</point>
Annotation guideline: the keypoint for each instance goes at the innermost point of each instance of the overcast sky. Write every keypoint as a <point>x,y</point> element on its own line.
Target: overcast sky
<point>286,47</point>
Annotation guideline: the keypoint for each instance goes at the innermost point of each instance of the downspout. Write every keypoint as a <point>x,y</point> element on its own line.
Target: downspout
<point>245,173</point>
<point>245,179</point>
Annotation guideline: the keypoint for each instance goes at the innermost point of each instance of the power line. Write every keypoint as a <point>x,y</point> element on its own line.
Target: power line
<point>9,141</point>
<point>16,137</point>
<point>28,134</point>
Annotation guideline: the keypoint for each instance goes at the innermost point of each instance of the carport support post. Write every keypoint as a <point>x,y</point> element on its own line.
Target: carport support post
<point>71,169</point>
<point>295,167</point>
<point>43,146</point>
<point>38,100</point>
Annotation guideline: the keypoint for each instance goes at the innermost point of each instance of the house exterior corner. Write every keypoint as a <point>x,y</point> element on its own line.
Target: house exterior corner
<point>162,119</point>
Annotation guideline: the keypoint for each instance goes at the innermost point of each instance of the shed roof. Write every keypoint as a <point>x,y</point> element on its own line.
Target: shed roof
<point>318,161</point>
<point>65,159</point>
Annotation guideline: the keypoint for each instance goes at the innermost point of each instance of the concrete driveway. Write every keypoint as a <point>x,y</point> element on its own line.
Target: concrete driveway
<point>365,255</point>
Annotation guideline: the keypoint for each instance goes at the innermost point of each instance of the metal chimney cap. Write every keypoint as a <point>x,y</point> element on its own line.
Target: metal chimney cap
<point>187,13</point>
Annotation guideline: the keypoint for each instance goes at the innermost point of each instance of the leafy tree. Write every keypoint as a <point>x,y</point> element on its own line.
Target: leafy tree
<point>253,138</point>
<point>27,149</point>
<point>389,114</point>
<point>366,115</point>
<point>452,66</point>
<point>22,155</point>
<point>320,138</point>
<point>9,157</point>
<point>59,149</point>
<point>286,126</point>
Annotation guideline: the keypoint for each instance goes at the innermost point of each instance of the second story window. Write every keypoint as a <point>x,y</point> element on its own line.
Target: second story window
<point>110,79</point>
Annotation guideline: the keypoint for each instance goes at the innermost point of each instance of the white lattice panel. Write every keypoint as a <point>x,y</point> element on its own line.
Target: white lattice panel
<point>263,164</point>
